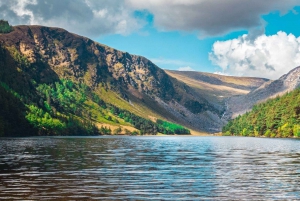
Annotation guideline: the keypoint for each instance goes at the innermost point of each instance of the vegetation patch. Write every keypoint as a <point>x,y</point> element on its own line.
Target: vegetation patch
<point>68,108</point>
<point>171,128</point>
<point>5,27</point>
<point>279,117</point>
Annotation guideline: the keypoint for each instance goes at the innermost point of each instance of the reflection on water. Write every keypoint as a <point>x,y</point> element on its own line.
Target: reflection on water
<point>146,168</point>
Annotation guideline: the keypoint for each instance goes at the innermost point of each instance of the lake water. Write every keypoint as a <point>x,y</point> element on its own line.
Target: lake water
<point>150,168</point>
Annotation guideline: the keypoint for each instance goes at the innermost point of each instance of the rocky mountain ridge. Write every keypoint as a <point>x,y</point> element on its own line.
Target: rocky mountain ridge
<point>240,104</point>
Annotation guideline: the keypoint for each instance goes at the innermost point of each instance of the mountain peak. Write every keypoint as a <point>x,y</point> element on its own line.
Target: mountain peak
<point>291,80</point>
<point>271,89</point>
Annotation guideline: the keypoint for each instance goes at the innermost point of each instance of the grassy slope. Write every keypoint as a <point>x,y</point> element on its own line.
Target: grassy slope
<point>25,79</point>
<point>217,85</point>
<point>37,55</point>
<point>217,88</point>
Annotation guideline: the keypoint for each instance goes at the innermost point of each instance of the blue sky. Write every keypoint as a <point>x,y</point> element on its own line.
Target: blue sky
<point>182,50</point>
<point>169,50</point>
<point>232,37</point>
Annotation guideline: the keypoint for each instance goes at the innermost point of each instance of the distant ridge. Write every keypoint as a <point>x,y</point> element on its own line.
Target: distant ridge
<point>286,83</point>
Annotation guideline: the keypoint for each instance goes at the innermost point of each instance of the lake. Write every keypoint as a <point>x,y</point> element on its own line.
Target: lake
<point>149,168</point>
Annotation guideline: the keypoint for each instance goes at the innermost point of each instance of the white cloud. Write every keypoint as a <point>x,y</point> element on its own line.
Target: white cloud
<point>186,68</point>
<point>220,73</point>
<point>210,17</point>
<point>162,61</point>
<point>97,17</point>
<point>86,17</point>
<point>265,56</point>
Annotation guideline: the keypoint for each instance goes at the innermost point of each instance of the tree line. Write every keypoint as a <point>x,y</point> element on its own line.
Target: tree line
<point>279,117</point>
<point>145,126</point>
<point>59,110</point>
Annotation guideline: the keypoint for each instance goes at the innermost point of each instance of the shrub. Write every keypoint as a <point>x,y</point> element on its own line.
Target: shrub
<point>5,27</point>
<point>227,133</point>
<point>267,133</point>
<point>296,130</point>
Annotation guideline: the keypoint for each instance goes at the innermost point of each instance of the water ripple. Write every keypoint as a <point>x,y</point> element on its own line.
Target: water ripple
<point>150,168</point>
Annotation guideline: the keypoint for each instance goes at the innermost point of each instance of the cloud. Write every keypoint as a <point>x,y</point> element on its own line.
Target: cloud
<point>265,56</point>
<point>87,17</point>
<point>97,17</point>
<point>186,68</point>
<point>210,17</point>
<point>162,61</point>
<point>220,73</point>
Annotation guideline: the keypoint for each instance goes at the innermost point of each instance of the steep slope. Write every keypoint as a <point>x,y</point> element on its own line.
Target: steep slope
<point>286,83</point>
<point>40,63</point>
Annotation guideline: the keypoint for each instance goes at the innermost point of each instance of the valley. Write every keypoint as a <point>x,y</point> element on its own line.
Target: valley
<point>68,83</point>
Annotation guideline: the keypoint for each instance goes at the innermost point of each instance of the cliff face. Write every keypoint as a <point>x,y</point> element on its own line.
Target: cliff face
<point>76,57</point>
<point>51,54</point>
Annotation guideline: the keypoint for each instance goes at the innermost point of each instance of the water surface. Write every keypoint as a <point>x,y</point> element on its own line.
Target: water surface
<point>150,168</point>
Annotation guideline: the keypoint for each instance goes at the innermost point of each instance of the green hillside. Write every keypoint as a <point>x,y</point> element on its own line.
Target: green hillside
<point>67,108</point>
<point>47,55</point>
<point>279,117</point>
<point>71,85</point>
<point>53,87</point>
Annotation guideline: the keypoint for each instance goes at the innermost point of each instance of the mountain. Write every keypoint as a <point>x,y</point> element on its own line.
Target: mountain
<point>217,88</point>
<point>277,117</point>
<point>240,104</point>
<point>68,83</point>
<point>238,95</point>
<point>64,78</point>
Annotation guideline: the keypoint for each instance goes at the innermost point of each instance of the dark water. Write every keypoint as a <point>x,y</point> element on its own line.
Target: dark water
<point>150,168</point>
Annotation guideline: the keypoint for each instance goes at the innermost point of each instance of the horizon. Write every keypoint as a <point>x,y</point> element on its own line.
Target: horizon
<point>255,39</point>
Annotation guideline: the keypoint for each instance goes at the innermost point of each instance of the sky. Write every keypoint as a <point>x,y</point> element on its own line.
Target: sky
<point>251,38</point>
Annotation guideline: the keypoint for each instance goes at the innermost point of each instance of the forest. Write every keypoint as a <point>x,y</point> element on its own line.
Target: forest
<point>35,101</point>
<point>278,117</point>
<point>64,108</point>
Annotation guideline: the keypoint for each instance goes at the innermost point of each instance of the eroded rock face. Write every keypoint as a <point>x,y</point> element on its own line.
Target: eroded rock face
<point>71,55</point>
